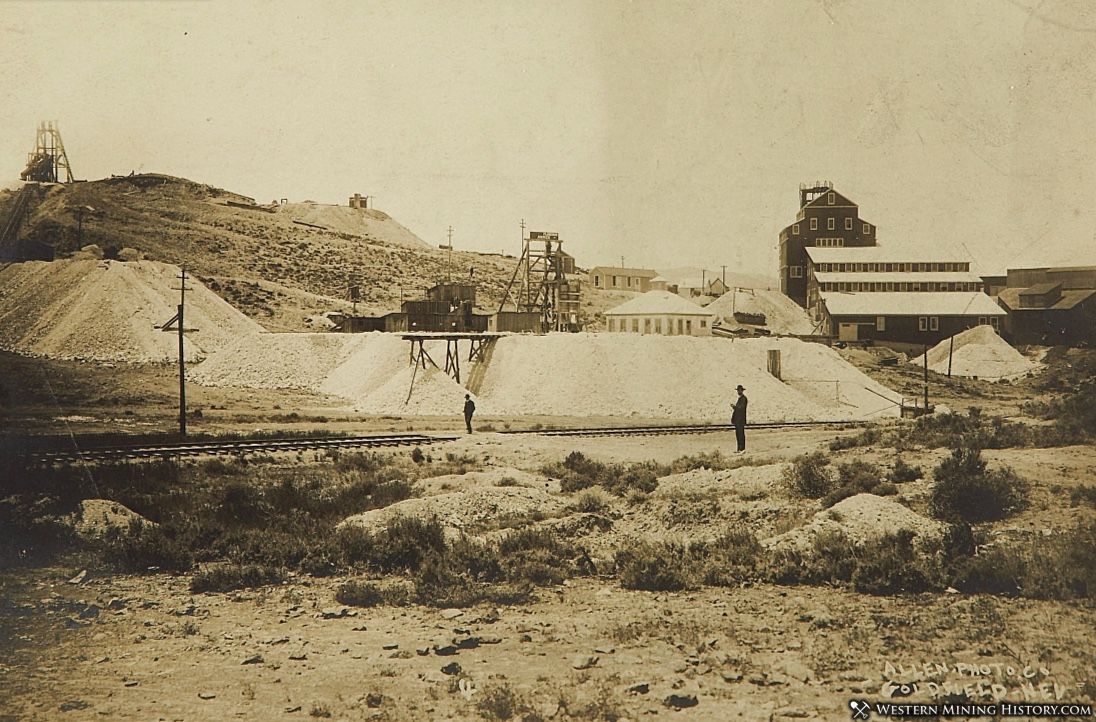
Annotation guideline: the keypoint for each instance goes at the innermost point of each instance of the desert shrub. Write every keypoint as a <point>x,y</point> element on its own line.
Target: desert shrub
<point>220,467</point>
<point>654,567</point>
<point>890,565</point>
<point>358,593</point>
<point>590,501</point>
<point>578,472</point>
<point>142,546</point>
<point>417,455</point>
<point>1063,567</point>
<point>241,503</point>
<point>33,529</point>
<point>714,460</point>
<point>884,488</point>
<point>405,542</point>
<point>809,476</point>
<point>858,474</point>
<point>734,556</point>
<point>903,472</point>
<point>1083,495</point>
<point>502,702</point>
<point>867,437</point>
<point>993,571</point>
<point>235,576</point>
<point>536,556</point>
<point>838,495</point>
<point>966,490</point>
<point>353,544</point>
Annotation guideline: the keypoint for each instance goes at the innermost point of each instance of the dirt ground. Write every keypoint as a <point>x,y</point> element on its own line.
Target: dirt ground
<point>138,647</point>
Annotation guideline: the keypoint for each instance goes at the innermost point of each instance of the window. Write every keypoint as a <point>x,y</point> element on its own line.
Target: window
<point>830,224</point>
<point>880,323</point>
<point>795,230</point>
<point>916,286</point>
<point>867,229</point>
<point>981,320</point>
<point>995,322</point>
<point>646,325</point>
<point>930,286</point>
<point>689,326</point>
<point>680,326</point>
<point>597,280</point>
<point>814,224</point>
<point>848,224</point>
<point>831,198</point>
<point>615,281</point>
<point>923,323</point>
<point>658,325</point>
<point>612,324</point>
<point>890,285</point>
<point>635,325</point>
<point>934,323</point>
<point>704,323</point>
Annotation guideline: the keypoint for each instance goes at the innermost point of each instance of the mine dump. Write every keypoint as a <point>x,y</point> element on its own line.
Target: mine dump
<point>704,445</point>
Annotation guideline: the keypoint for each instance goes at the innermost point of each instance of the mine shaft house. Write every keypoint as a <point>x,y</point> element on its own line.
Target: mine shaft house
<point>1050,306</point>
<point>621,279</point>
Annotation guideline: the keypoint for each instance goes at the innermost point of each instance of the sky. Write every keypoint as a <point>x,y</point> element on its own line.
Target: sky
<point>661,133</point>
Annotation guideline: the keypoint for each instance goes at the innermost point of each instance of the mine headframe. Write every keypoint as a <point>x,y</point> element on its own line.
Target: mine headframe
<point>48,160</point>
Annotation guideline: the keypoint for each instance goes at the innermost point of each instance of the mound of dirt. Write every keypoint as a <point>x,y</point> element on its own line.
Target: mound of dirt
<point>489,478</point>
<point>861,518</point>
<point>746,481</point>
<point>367,223</point>
<point>675,377</point>
<point>96,517</point>
<point>977,352</point>
<point>111,311</point>
<point>463,511</point>
<point>782,315</point>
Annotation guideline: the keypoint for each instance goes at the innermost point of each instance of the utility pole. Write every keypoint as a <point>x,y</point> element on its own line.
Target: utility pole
<point>926,357</point>
<point>182,362</point>
<point>449,267</point>
<point>724,277</point>
<point>622,261</point>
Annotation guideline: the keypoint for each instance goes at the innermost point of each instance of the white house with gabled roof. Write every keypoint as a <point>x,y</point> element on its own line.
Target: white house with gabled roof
<point>660,313</point>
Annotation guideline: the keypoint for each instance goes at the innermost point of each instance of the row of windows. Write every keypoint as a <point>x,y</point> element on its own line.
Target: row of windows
<point>902,286</point>
<point>614,281</point>
<point>831,224</point>
<point>956,267</point>
<point>684,325</point>
<point>830,243</point>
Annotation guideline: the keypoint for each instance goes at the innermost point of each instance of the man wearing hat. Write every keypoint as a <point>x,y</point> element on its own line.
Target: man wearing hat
<point>738,419</point>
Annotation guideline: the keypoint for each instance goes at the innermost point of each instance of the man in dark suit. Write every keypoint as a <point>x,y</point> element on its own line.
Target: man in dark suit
<point>738,418</point>
<point>469,409</point>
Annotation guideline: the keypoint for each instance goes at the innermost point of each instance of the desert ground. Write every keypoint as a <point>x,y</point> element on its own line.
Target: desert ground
<point>571,577</point>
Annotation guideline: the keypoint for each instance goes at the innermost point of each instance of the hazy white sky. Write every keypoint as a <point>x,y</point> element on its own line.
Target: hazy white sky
<point>669,133</point>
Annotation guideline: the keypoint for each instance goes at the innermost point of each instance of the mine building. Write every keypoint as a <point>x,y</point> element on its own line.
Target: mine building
<point>660,313</point>
<point>1050,306</point>
<point>911,318</point>
<point>618,278</point>
<point>826,219</point>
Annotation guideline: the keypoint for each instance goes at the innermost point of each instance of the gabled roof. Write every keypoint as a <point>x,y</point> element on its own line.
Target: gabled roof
<point>896,277</point>
<point>914,303</point>
<point>839,200</point>
<point>886,254</point>
<point>1011,298</point>
<point>621,271</point>
<point>657,302</point>
<point>1040,289</point>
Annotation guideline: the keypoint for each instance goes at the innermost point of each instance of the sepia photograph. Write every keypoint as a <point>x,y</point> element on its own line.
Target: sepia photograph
<point>603,360</point>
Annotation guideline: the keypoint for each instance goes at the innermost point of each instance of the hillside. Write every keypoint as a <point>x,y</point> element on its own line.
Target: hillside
<point>275,270</point>
<point>688,275</point>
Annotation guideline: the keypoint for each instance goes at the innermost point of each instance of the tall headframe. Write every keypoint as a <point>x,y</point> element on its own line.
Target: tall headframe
<point>48,160</point>
<point>539,284</point>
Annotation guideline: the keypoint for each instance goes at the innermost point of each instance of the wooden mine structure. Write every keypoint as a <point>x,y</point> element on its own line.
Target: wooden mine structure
<point>45,163</point>
<point>540,285</point>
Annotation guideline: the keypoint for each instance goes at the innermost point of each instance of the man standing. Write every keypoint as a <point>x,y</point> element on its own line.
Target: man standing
<point>738,419</point>
<point>469,409</point>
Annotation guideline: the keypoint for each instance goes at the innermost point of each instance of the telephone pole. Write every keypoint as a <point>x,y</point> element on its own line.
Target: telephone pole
<point>182,361</point>
<point>449,266</point>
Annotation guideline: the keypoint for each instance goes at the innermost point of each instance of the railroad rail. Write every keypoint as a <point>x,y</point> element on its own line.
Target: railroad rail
<point>675,429</point>
<point>252,446</point>
<point>247,446</point>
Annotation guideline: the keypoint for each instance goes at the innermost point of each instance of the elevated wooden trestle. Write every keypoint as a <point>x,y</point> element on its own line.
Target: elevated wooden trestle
<point>419,357</point>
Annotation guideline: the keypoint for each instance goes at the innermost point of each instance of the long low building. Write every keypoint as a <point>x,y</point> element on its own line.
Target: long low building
<point>907,317</point>
<point>660,313</point>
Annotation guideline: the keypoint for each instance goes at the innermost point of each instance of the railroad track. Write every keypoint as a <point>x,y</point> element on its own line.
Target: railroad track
<point>253,446</point>
<point>674,429</point>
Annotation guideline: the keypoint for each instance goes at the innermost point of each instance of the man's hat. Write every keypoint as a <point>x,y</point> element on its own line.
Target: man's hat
<point>739,388</point>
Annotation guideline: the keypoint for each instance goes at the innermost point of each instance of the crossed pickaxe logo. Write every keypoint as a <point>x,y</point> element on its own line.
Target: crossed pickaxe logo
<point>860,709</point>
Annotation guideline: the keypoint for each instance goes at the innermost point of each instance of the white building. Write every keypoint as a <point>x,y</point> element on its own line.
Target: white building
<point>660,313</point>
